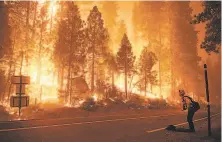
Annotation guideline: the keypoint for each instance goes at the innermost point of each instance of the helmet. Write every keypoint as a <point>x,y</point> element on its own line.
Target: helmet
<point>182,92</point>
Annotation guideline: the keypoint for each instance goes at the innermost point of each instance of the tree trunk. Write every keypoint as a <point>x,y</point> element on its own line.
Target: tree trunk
<point>172,69</point>
<point>8,79</point>
<point>68,79</point>
<point>10,86</point>
<point>70,88</point>
<point>151,88</point>
<point>92,79</point>
<point>27,28</point>
<point>10,66</point>
<point>113,79</point>
<point>62,77</point>
<point>159,62</point>
<point>70,60</point>
<point>145,82</point>
<point>39,56</point>
<point>34,20</point>
<point>126,72</point>
<point>113,82</point>
<point>126,82</point>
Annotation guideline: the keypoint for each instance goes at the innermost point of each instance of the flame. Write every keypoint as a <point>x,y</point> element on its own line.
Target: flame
<point>119,82</point>
<point>48,85</point>
<point>46,89</point>
<point>95,97</point>
<point>48,98</point>
<point>53,8</point>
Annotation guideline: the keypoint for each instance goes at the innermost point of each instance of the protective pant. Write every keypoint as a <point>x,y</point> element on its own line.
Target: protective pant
<point>190,119</point>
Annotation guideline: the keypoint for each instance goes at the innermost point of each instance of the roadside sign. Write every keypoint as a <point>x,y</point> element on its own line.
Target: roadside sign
<point>20,100</point>
<point>18,87</point>
<point>15,100</point>
<point>25,80</point>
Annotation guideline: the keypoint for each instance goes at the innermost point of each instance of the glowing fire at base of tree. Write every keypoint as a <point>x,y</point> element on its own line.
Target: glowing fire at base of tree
<point>44,83</point>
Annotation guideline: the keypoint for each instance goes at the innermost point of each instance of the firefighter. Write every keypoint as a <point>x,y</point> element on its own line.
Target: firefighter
<point>192,108</point>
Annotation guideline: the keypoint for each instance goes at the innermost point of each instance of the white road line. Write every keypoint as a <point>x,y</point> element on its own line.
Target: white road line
<point>71,118</point>
<point>160,129</point>
<point>80,123</point>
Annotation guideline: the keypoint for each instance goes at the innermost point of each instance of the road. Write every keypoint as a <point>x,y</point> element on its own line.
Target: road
<point>111,128</point>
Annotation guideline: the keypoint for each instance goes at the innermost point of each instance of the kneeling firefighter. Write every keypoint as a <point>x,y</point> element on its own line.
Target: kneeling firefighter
<point>192,108</point>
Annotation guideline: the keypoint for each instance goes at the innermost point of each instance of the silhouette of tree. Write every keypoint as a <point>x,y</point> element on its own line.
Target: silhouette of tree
<point>147,61</point>
<point>97,38</point>
<point>212,16</point>
<point>69,49</point>
<point>125,59</point>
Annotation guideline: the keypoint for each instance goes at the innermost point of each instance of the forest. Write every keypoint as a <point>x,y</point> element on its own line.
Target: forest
<point>76,50</point>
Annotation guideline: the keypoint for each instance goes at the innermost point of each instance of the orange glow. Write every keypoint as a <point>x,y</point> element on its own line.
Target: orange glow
<point>95,97</point>
<point>46,89</point>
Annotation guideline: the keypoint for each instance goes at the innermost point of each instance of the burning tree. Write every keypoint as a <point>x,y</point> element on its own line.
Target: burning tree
<point>125,59</point>
<point>97,38</point>
<point>69,49</point>
<point>147,61</point>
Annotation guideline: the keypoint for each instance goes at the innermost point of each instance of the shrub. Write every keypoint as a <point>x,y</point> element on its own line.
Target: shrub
<point>89,104</point>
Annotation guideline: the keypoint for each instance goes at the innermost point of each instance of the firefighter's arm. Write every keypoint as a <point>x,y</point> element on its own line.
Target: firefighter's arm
<point>189,98</point>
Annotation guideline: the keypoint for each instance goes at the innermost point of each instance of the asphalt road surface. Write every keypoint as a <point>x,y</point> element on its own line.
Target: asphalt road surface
<point>112,128</point>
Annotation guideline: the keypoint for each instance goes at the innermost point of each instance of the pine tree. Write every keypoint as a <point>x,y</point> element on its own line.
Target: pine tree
<point>125,59</point>
<point>69,49</point>
<point>97,39</point>
<point>147,61</point>
<point>212,16</point>
<point>152,26</point>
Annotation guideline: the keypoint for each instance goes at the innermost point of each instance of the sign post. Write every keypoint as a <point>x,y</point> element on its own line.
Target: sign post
<point>208,100</point>
<point>21,100</point>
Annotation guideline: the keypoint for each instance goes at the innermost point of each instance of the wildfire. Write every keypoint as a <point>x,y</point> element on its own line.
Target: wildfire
<point>45,88</point>
<point>132,88</point>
